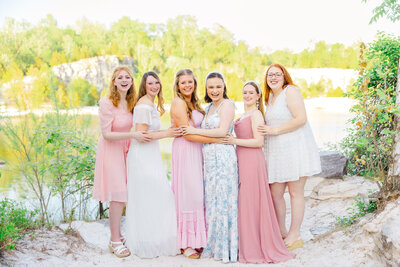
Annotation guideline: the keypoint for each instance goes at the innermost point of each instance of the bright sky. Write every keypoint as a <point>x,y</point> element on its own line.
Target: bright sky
<point>269,24</point>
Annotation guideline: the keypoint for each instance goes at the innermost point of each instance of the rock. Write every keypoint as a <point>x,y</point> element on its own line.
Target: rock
<point>96,70</point>
<point>349,188</point>
<point>333,164</point>
<point>388,240</point>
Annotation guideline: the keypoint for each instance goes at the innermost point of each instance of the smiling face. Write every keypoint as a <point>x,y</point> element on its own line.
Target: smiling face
<point>275,78</point>
<point>215,89</point>
<point>152,86</point>
<point>123,81</point>
<point>250,95</point>
<point>186,85</point>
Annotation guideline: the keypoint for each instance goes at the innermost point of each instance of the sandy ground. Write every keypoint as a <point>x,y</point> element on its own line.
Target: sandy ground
<point>325,244</point>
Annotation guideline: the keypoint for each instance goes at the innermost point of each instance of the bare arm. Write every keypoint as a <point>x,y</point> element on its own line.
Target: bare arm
<point>257,140</point>
<point>296,106</point>
<point>115,136</point>
<point>180,118</point>
<point>226,113</point>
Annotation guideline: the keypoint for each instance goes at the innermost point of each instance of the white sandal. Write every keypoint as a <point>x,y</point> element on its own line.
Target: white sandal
<point>117,251</point>
<point>123,240</point>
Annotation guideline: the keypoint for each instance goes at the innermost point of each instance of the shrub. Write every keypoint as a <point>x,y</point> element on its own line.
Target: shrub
<point>15,222</point>
<point>371,135</point>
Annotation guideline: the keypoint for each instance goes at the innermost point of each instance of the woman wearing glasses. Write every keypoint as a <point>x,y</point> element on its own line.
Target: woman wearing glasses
<point>290,149</point>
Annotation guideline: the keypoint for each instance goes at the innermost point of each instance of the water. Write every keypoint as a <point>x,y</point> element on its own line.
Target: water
<point>327,116</point>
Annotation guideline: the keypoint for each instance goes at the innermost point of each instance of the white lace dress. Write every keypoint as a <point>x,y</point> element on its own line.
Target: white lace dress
<point>291,155</point>
<point>150,213</point>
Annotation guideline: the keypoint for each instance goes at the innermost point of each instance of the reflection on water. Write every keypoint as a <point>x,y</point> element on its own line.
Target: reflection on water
<point>327,116</point>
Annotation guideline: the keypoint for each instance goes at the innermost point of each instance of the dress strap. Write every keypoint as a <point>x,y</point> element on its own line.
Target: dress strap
<point>208,108</point>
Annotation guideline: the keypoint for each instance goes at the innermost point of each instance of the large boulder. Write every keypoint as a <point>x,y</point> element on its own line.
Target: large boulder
<point>96,70</point>
<point>333,164</point>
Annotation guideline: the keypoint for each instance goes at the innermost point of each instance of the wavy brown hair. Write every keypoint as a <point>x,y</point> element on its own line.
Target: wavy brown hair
<point>142,91</point>
<point>287,80</point>
<point>115,96</point>
<point>194,100</point>
<point>260,104</point>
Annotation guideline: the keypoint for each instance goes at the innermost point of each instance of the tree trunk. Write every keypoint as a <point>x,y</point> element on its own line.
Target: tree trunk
<point>392,183</point>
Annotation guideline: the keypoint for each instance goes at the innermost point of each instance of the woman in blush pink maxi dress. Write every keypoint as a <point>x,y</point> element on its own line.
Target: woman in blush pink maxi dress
<point>260,240</point>
<point>187,166</point>
<point>187,185</point>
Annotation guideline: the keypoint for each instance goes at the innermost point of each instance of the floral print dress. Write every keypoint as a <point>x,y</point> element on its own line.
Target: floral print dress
<point>221,195</point>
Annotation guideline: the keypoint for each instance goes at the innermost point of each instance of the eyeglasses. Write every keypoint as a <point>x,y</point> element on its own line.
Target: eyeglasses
<point>277,74</point>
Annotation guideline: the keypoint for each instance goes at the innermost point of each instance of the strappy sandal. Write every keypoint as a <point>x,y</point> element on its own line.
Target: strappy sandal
<point>190,253</point>
<point>117,251</point>
<point>123,240</point>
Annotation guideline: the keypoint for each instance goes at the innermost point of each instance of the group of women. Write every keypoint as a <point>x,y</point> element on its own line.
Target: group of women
<point>226,196</point>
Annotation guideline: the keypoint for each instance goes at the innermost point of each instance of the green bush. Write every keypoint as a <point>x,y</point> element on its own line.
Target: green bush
<point>371,136</point>
<point>15,221</point>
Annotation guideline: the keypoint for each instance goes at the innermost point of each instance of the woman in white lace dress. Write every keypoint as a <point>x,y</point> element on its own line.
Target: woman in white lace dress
<point>290,150</point>
<point>150,212</point>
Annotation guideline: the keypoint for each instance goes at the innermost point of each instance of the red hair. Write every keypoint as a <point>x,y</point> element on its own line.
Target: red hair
<point>115,97</point>
<point>287,80</point>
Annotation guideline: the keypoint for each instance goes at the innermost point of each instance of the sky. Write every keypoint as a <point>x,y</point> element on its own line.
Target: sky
<point>268,24</point>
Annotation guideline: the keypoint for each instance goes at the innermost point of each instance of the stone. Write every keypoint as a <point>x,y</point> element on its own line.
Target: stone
<point>389,240</point>
<point>96,70</point>
<point>333,164</point>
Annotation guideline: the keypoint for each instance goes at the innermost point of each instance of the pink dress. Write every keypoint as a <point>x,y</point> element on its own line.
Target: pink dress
<point>110,168</point>
<point>187,185</point>
<point>260,240</point>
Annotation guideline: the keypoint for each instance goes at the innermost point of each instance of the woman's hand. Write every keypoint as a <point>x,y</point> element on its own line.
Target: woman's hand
<point>174,132</point>
<point>268,130</point>
<point>141,136</point>
<point>188,129</point>
<point>228,140</point>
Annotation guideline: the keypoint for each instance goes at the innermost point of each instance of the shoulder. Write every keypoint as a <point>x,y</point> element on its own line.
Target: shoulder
<point>144,101</point>
<point>177,101</point>
<point>105,101</point>
<point>228,104</point>
<point>292,90</point>
<point>257,115</point>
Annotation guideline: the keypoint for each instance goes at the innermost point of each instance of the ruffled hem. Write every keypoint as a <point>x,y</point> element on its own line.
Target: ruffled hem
<point>152,250</point>
<point>191,229</point>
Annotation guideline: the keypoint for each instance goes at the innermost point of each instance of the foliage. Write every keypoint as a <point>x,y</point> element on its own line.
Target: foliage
<point>359,209</point>
<point>54,158</point>
<point>371,136</point>
<point>27,49</point>
<point>388,8</point>
<point>15,221</point>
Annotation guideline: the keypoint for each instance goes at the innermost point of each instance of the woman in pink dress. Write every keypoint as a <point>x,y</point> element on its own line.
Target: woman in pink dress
<point>187,166</point>
<point>260,240</point>
<point>115,113</point>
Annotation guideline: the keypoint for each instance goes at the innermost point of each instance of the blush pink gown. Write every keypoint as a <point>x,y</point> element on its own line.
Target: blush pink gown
<point>260,240</point>
<point>110,168</point>
<point>187,185</point>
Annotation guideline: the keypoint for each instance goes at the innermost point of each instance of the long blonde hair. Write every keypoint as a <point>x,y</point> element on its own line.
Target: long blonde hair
<point>260,104</point>
<point>194,100</point>
<point>142,91</point>
<point>115,96</point>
